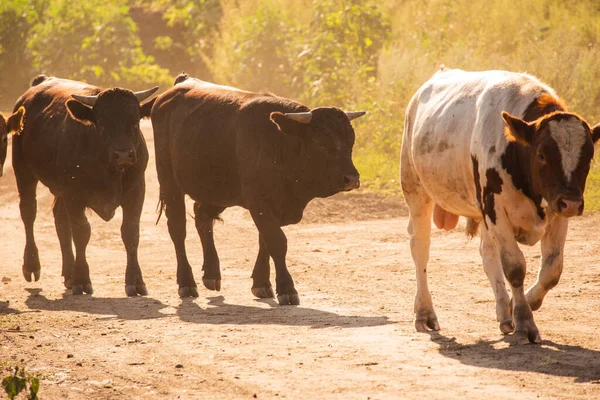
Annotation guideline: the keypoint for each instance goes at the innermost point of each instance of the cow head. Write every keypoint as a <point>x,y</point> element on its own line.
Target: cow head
<point>116,114</point>
<point>561,149</point>
<point>328,138</point>
<point>14,124</point>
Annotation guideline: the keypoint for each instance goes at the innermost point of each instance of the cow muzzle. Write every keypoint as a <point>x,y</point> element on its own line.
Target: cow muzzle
<point>351,182</point>
<point>569,206</point>
<point>123,159</point>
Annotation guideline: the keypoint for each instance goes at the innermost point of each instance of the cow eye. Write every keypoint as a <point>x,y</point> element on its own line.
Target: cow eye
<point>541,158</point>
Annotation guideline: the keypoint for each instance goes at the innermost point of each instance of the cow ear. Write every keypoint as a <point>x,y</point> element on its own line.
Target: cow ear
<point>81,112</point>
<point>146,108</point>
<point>596,133</point>
<point>518,130</point>
<point>15,122</point>
<point>287,125</point>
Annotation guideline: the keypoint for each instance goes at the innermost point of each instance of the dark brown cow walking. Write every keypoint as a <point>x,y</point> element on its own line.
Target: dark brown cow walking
<point>85,144</point>
<point>227,147</point>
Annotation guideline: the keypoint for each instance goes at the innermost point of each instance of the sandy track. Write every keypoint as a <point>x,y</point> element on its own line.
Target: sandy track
<point>352,336</point>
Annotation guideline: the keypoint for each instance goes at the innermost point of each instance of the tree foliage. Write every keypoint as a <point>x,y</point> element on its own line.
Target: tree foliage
<point>352,54</point>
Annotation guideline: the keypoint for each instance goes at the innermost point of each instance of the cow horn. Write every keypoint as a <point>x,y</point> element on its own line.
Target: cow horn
<point>355,114</point>
<point>144,94</point>
<point>89,100</point>
<point>303,117</point>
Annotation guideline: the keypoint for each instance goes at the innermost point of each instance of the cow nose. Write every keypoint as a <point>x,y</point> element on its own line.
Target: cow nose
<point>351,182</point>
<point>124,158</point>
<point>569,207</point>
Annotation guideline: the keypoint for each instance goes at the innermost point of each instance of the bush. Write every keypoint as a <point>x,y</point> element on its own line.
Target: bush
<point>93,41</point>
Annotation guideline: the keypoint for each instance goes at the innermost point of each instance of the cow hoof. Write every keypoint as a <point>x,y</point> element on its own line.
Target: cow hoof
<point>212,284</point>
<point>88,288</point>
<point>141,290</point>
<point>507,327</point>
<point>77,290</point>
<point>526,332</point>
<point>527,336</point>
<point>426,324</point>
<point>27,274</point>
<point>135,289</point>
<point>68,283</point>
<point>188,291</point>
<point>288,299</point>
<point>130,290</point>
<point>263,292</point>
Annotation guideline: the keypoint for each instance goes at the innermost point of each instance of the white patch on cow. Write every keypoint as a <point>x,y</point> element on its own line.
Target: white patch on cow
<point>544,203</point>
<point>570,138</point>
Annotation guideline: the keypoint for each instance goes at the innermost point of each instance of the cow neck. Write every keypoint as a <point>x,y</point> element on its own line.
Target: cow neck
<point>296,166</point>
<point>518,159</point>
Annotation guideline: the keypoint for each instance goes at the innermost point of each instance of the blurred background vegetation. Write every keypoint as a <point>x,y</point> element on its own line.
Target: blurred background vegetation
<point>354,54</point>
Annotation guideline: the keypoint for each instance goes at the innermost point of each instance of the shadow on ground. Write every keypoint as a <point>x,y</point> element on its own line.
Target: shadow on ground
<point>548,358</point>
<point>217,311</point>
<point>129,308</point>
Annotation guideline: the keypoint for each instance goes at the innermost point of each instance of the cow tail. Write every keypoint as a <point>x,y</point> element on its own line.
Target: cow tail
<point>160,207</point>
<point>472,227</point>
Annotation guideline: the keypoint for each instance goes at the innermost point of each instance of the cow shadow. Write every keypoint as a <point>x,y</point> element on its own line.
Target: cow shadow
<point>128,308</point>
<point>548,358</point>
<point>218,312</point>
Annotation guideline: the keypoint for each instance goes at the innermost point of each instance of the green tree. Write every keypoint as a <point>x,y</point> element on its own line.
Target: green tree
<point>94,41</point>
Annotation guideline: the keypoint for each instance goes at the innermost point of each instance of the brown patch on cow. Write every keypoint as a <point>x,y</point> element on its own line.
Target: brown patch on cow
<point>515,161</point>
<point>543,105</point>
<point>492,187</point>
<point>478,191</point>
<point>514,272</point>
<point>443,146</point>
<point>485,197</point>
<point>492,150</point>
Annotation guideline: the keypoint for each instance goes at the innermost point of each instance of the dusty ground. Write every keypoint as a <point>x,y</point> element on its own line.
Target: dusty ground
<point>352,337</point>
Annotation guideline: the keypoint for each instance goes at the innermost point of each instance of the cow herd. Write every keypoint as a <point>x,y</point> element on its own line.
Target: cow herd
<point>496,147</point>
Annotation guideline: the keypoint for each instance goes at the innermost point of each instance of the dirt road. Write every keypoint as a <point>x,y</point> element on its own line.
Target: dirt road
<point>351,338</point>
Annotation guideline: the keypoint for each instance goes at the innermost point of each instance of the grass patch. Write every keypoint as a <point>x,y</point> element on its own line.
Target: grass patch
<point>592,189</point>
<point>379,172</point>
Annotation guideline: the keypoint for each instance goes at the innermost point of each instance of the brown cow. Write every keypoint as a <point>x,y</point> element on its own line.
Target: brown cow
<point>226,147</point>
<point>84,143</point>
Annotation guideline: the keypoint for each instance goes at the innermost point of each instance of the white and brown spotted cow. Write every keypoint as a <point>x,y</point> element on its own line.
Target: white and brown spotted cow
<point>499,148</point>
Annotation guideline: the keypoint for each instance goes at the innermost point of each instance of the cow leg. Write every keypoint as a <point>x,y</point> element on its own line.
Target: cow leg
<point>80,227</point>
<point>514,267</point>
<point>261,285</point>
<point>205,218</point>
<point>175,212</point>
<point>420,208</point>
<point>494,272</point>
<point>133,201</point>
<point>419,229</point>
<point>26,185</point>
<point>65,238</point>
<point>553,244</point>
<point>276,244</point>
